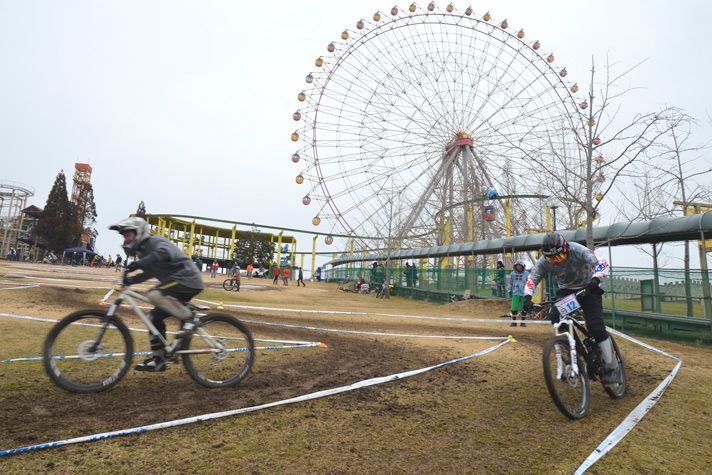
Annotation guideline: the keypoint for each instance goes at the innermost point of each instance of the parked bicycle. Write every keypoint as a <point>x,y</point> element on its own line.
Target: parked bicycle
<point>91,350</point>
<point>232,283</point>
<point>570,361</point>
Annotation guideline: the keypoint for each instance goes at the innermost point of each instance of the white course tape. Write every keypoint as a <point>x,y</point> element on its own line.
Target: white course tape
<point>148,353</point>
<point>216,415</point>
<point>142,330</point>
<point>637,414</point>
<point>342,312</point>
<point>21,287</point>
<point>361,332</point>
<point>60,279</point>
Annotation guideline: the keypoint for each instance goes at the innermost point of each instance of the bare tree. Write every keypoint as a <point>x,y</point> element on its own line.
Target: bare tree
<point>583,183</point>
<point>670,177</point>
<point>680,175</point>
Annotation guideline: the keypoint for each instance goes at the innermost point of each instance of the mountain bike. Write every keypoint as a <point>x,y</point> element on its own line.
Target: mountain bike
<point>91,350</point>
<point>570,361</point>
<point>232,283</point>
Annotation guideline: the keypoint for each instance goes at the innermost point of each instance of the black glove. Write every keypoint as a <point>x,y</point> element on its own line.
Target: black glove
<point>594,287</point>
<point>132,267</point>
<point>528,305</point>
<point>126,281</point>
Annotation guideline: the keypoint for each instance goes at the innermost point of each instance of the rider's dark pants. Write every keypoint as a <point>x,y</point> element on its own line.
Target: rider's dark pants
<point>592,305</point>
<point>157,315</point>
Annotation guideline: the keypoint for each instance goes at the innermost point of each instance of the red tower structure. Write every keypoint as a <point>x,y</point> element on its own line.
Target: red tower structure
<point>81,193</point>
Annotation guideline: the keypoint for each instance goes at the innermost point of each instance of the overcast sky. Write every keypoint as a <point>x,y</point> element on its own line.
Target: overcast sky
<point>187,105</point>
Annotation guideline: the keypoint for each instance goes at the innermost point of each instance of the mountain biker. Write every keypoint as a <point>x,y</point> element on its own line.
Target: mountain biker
<point>179,280</point>
<point>576,267</point>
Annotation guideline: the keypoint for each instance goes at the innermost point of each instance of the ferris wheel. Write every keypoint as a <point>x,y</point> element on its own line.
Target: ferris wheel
<point>411,117</point>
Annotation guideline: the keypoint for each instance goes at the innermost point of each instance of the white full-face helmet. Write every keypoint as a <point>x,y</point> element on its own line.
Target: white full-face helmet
<point>139,226</point>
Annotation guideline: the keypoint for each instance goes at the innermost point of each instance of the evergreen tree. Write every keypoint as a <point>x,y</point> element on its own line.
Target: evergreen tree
<point>256,248</point>
<point>57,224</point>
<point>83,214</point>
<point>141,210</point>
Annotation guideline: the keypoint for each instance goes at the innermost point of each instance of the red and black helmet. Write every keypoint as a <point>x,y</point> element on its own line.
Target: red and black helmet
<point>554,245</point>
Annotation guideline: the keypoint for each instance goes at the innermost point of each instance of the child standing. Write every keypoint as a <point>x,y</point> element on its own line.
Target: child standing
<point>517,280</point>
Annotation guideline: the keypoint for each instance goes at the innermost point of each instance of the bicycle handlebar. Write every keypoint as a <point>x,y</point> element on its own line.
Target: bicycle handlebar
<point>580,293</point>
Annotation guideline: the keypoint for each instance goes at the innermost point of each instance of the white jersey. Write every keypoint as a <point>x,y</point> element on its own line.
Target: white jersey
<point>576,272</point>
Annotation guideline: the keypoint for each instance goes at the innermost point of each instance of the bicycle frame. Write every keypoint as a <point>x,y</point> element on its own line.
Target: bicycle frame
<point>130,298</point>
<point>569,322</point>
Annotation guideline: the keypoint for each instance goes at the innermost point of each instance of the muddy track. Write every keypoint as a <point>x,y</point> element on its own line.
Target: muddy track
<point>141,399</point>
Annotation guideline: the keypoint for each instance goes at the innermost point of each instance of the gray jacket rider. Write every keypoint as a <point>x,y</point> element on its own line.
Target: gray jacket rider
<point>159,258</point>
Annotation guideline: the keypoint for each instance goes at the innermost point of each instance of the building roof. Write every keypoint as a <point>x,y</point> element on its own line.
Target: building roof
<point>33,211</point>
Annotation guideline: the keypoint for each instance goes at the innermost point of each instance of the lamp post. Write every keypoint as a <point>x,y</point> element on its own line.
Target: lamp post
<point>552,203</point>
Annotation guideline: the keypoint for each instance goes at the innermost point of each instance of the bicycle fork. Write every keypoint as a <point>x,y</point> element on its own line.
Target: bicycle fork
<point>572,354</point>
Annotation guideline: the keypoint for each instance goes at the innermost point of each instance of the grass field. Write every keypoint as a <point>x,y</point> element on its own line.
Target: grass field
<point>491,414</point>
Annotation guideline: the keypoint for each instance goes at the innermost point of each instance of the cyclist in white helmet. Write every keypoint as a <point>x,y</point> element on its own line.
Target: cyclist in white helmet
<point>179,280</point>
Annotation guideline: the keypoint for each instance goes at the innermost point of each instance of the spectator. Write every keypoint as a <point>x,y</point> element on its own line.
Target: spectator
<point>287,274</point>
<point>250,269</point>
<point>214,269</point>
<point>318,274</point>
<point>275,272</point>
<point>300,277</point>
<point>499,278</point>
<point>517,281</point>
<point>119,260</point>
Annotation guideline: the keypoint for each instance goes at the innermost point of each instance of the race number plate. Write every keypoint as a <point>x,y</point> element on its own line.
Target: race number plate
<point>567,305</point>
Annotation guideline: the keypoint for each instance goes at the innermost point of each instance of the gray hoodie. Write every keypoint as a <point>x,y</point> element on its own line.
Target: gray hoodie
<point>161,259</point>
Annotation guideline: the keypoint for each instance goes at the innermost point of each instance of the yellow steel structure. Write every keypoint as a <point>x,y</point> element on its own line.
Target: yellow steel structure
<point>313,253</point>
<point>208,241</point>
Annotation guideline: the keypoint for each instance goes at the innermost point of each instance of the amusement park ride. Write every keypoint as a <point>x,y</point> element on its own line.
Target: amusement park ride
<point>425,112</point>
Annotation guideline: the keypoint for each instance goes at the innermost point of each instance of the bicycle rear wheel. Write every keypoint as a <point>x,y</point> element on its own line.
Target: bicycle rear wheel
<point>229,284</point>
<point>220,353</point>
<point>87,352</point>
<point>616,391</point>
<point>570,393</point>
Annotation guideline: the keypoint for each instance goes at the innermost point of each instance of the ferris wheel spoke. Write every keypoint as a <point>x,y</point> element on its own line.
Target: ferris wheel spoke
<point>367,68</point>
<point>494,89</point>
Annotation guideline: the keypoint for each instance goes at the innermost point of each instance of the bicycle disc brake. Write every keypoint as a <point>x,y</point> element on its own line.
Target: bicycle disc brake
<point>85,350</point>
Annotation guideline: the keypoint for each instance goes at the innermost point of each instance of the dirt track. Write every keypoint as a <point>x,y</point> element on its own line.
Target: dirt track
<point>489,414</point>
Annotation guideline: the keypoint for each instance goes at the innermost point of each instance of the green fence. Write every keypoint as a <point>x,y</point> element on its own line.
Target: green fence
<point>665,292</point>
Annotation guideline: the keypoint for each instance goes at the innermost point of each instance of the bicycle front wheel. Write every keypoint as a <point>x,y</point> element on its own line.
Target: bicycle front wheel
<point>87,352</point>
<point>220,353</point>
<point>228,284</point>
<point>570,392</point>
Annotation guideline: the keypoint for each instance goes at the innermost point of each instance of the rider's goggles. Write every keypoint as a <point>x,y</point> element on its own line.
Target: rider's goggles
<point>557,257</point>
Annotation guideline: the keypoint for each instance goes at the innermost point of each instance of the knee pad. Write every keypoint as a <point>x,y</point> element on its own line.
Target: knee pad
<point>169,304</point>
